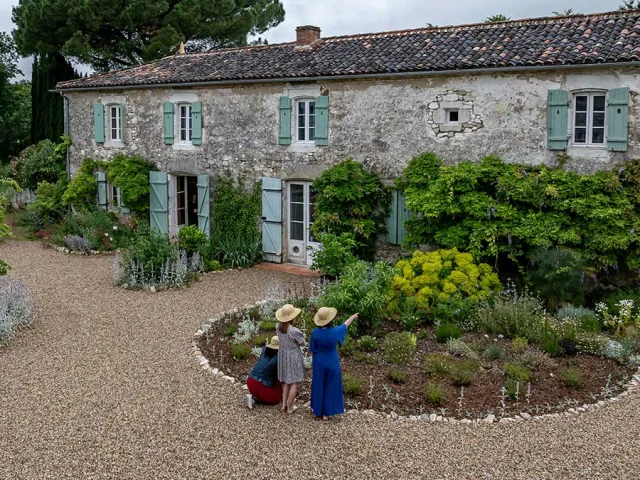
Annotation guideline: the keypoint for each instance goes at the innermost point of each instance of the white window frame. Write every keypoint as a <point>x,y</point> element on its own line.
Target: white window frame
<point>305,102</point>
<point>588,143</point>
<point>118,119</point>
<point>114,197</point>
<point>189,123</point>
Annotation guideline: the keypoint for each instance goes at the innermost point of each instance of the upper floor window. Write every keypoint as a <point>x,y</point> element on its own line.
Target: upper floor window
<point>589,119</point>
<point>115,123</point>
<point>185,123</point>
<point>306,120</point>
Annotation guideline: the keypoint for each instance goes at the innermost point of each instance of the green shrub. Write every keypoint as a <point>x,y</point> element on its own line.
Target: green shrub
<point>349,199</point>
<point>590,324</point>
<point>47,208</point>
<point>577,313</point>
<point>396,375</point>
<point>362,288</point>
<point>4,267</point>
<point>268,325</point>
<point>192,240</point>
<point>442,276</point>
<point>43,162</point>
<point>534,358</point>
<point>352,385</point>
<point>458,347</point>
<point>213,266</point>
<point>505,210</point>
<point>446,331</point>
<point>230,331</point>
<point>102,229</point>
<point>550,344</point>
<point>236,252</point>
<point>399,347</point>
<point>514,388</point>
<point>368,343</point>
<point>261,340</point>
<point>131,175</point>
<point>462,377</point>
<point>240,351</point>
<point>335,254</point>
<point>348,347</point>
<point>236,210</point>
<point>82,190</point>
<point>572,377</point>
<point>517,372</point>
<point>493,353</point>
<point>434,394</point>
<point>519,344</point>
<point>592,343</point>
<point>409,321</point>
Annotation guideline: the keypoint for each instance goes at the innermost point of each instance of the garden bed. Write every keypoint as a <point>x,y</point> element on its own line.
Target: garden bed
<point>434,378</point>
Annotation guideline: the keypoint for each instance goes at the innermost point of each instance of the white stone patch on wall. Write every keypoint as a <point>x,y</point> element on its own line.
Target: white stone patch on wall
<point>452,112</point>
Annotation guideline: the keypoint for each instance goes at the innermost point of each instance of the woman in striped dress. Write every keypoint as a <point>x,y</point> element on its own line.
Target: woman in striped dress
<point>290,360</point>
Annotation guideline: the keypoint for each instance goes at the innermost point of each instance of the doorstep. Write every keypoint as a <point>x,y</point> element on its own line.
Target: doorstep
<point>289,268</point>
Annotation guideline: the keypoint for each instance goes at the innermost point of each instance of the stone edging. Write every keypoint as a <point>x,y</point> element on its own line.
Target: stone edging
<point>76,252</point>
<point>631,387</point>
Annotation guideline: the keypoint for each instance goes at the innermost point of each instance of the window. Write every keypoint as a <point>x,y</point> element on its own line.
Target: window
<point>453,116</point>
<point>115,123</point>
<point>113,197</point>
<point>589,119</point>
<point>181,200</point>
<point>306,120</point>
<point>185,123</point>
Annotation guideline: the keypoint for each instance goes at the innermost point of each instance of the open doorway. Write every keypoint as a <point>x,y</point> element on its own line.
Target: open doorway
<point>301,242</point>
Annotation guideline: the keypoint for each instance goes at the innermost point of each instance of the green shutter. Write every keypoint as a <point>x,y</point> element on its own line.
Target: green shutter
<point>284,133</point>
<point>159,202</point>
<point>403,215</point>
<point>196,123</point>
<point>557,117</point>
<point>168,123</point>
<point>322,120</point>
<point>123,120</point>
<point>392,219</point>
<point>618,119</point>
<point>98,122</point>
<point>102,191</point>
<point>203,204</point>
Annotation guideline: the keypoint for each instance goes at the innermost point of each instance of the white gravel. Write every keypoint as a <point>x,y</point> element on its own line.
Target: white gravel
<point>106,386</point>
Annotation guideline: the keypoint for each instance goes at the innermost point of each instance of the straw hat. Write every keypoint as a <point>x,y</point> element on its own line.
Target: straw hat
<point>287,313</point>
<point>324,316</point>
<point>275,343</point>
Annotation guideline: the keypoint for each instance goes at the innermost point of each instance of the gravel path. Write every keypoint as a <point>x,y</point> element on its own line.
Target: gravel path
<point>106,386</point>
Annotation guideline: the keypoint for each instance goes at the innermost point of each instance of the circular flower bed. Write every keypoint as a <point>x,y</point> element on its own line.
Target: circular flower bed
<point>432,372</point>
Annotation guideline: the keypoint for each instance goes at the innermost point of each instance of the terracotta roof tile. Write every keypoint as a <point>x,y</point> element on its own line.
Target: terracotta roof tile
<point>573,40</point>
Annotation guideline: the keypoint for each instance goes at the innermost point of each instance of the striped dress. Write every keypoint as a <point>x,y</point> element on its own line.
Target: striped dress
<point>290,362</point>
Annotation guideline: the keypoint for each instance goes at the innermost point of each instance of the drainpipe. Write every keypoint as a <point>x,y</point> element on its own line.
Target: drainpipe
<point>65,102</point>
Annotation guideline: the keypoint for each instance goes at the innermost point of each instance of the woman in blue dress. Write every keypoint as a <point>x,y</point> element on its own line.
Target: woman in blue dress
<point>327,398</point>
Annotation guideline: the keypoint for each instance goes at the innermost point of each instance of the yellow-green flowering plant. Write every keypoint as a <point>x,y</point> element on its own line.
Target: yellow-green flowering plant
<point>442,276</point>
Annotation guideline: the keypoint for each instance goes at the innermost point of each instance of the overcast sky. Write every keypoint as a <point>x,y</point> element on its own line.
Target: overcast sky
<point>343,17</point>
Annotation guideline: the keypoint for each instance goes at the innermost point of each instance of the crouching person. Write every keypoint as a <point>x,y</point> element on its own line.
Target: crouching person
<point>263,383</point>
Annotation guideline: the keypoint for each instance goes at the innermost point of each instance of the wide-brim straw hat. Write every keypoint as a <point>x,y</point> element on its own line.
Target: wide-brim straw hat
<point>324,316</point>
<point>287,313</point>
<point>274,343</point>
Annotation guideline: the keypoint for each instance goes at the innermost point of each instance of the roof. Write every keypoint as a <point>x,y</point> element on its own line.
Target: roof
<point>566,40</point>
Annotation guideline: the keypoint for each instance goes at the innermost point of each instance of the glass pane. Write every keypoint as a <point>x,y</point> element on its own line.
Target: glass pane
<point>301,108</point>
<point>598,103</point>
<point>301,134</point>
<point>597,135</point>
<point>312,121</point>
<point>598,119</point>
<point>581,103</point>
<point>180,184</point>
<point>297,193</point>
<point>296,231</point>
<point>181,216</point>
<point>301,121</point>
<point>312,108</point>
<point>580,135</point>
<point>297,212</point>
<point>312,133</point>
<point>581,119</point>
<point>312,195</point>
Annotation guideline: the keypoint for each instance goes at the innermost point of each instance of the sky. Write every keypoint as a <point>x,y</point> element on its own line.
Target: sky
<point>344,17</point>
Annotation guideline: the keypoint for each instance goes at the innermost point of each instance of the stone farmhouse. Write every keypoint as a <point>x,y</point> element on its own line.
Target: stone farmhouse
<point>527,90</point>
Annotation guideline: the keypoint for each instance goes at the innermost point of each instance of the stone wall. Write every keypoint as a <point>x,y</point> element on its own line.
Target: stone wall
<point>380,123</point>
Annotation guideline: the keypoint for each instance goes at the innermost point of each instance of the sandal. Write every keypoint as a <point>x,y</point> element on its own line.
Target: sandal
<point>291,411</point>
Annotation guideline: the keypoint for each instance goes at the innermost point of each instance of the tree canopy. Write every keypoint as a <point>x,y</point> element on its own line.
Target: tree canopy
<point>497,18</point>
<point>120,33</point>
<point>630,5</point>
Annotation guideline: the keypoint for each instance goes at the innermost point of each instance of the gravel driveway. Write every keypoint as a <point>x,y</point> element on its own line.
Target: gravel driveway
<point>106,386</point>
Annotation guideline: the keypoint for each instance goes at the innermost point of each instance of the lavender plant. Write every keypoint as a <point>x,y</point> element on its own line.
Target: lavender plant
<point>16,306</point>
<point>77,243</point>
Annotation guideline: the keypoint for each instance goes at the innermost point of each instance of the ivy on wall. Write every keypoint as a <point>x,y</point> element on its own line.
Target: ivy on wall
<point>236,209</point>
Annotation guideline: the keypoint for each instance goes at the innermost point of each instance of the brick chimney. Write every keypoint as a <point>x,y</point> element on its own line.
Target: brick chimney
<point>307,35</point>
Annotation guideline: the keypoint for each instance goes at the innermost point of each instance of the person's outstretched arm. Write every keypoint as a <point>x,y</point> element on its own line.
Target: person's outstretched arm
<point>349,320</point>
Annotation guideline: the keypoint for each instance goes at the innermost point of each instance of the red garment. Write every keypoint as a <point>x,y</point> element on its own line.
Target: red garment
<point>263,394</point>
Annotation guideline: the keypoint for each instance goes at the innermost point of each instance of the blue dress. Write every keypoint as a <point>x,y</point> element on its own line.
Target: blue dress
<point>326,380</point>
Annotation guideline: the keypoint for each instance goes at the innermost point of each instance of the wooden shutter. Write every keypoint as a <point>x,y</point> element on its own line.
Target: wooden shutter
<point>168,123</point>
<point>102,191</point>
<point>392,219</point>
<point>203,204</point>
<point>196,123</point>
<point>557,118</point>
<point>98,122</point>
<point>618,119</point>
<point>322,120</point>
<point>272,219</point>
<point>403,215</point>
<point>284,132</point>
<point>159,202</point>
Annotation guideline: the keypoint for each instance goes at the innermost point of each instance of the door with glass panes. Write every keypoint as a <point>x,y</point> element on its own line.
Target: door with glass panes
<point>301,242</point>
